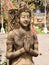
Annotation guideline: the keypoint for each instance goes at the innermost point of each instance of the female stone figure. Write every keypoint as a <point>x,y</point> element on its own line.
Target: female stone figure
<point>22,44</point>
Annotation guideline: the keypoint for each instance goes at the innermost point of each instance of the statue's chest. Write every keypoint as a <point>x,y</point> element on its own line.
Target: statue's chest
<point>29,38</point>
<point>21,37</point>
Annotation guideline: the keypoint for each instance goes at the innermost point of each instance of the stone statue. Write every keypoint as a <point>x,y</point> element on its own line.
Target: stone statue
<point>22,44</point>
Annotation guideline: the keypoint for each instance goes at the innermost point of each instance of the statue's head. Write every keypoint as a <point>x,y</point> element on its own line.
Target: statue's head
<point>24,17</point>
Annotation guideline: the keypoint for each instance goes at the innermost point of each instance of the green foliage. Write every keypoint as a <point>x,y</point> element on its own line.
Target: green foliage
<point>32,6</point>
<point>4,63</point>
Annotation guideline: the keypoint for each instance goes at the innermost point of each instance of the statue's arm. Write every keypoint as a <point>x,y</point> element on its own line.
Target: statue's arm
<point>10,53</point>
<point>34,52</point>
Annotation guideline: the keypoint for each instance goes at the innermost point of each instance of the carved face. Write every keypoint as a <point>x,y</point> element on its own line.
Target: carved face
<point>24,19</point>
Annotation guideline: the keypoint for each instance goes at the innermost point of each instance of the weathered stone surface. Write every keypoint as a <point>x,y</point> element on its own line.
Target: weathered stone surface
<point>43,40</point>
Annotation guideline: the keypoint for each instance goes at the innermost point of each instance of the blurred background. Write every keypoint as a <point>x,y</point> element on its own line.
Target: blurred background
<point>39,10</point>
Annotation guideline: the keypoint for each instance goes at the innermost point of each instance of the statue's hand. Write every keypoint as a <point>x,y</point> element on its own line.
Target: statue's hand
<point>26,45</point>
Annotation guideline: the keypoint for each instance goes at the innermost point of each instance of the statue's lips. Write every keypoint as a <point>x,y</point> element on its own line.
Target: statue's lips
<point>25,22</point>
